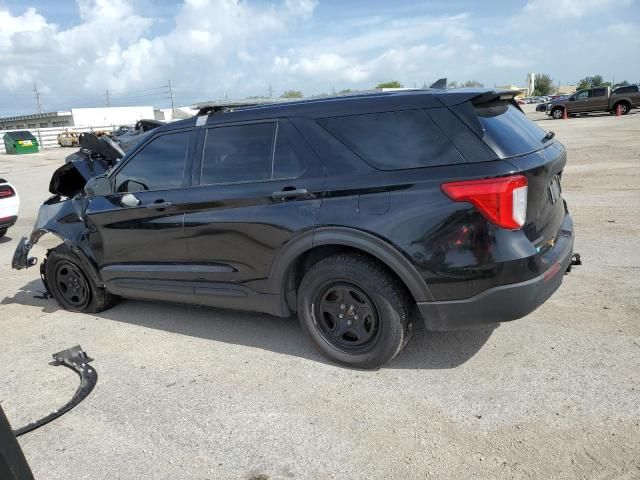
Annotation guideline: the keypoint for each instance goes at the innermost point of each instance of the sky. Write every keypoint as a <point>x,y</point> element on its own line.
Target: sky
<point>76,50</point>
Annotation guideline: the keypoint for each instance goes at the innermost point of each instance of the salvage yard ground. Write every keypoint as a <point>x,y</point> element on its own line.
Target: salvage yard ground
<point>194,393</point>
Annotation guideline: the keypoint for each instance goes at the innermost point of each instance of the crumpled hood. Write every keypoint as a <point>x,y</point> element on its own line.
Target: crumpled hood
<point>70,178</point>
<point>96,156</point>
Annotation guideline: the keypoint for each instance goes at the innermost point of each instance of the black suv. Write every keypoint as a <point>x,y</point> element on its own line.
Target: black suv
<point>352,212</point>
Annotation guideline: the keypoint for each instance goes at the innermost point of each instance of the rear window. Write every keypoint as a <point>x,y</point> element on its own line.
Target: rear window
<point>507,130</point>
<point>394,140</point>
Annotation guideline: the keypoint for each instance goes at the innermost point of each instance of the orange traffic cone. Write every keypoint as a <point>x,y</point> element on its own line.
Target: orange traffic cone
<point>564,113</point>
<point>618,110</point>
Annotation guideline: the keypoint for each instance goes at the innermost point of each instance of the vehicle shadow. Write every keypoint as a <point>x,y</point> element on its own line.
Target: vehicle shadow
<point>5,239</point>
<point>426,350</point>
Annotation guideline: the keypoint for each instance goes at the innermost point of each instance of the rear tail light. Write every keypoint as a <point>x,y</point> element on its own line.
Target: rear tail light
<point>503,200</point>
<point>6,191</point>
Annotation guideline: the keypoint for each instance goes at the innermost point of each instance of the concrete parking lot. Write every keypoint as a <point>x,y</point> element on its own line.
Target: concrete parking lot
<point>196,393</point>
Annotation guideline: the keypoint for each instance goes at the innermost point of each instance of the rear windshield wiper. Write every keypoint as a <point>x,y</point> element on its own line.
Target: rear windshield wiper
<point>548,136</point>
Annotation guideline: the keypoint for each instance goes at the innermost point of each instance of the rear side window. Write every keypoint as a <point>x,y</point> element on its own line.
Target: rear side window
<point>286,162</point>
<point>599,92</point>
<point>394,140</point>
<point>159,165</point>
<point>507,130</point>
<point>241,153</point>
<point>246,153</point>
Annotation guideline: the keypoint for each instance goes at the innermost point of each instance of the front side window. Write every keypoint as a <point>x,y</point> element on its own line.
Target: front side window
<point>159,165</point>
<point>583,95</point>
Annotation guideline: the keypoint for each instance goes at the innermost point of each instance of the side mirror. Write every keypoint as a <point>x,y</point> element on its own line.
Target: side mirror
<point>97,186</point>
<point>571,99</point>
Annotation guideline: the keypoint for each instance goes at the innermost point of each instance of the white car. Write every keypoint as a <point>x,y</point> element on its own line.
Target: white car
<point>9,206</point>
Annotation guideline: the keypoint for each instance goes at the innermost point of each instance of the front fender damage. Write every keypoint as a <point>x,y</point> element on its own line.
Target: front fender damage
<point>64,219</point>
<point>57,216</point>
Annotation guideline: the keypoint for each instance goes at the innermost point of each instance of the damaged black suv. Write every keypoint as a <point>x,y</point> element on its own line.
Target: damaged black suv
<point>360,214</point>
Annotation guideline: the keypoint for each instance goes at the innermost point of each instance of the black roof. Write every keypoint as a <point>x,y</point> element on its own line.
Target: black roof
<point>346,105</point>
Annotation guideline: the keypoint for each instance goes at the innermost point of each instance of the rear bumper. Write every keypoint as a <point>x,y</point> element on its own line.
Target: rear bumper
<point>505,302</point>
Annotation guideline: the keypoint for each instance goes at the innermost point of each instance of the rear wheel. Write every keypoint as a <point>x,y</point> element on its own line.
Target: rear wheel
<point>557,113</point>
<point>354,311</point>
<point>70,285</point>
<point>624,108</point>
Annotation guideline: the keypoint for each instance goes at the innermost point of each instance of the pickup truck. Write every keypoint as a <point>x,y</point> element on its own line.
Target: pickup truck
<point>595,100</point>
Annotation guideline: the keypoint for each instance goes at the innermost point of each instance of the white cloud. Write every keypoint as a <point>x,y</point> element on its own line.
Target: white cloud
<point>559,9</point>
<point>241,46</point>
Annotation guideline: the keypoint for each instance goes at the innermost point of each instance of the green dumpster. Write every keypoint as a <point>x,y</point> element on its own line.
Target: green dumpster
<point>20,142</point>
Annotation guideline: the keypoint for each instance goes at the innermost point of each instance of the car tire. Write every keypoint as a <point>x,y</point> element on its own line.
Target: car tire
<point>355,312</point>
<point>557,113</point>
<point>624,108</point>
<point>69,284</point>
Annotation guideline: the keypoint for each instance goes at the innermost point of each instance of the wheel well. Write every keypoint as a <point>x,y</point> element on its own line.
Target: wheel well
<point>306,260</point>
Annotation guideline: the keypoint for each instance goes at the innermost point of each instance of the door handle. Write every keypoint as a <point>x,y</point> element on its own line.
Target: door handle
<point>159,205</point>
<point>290,194</point>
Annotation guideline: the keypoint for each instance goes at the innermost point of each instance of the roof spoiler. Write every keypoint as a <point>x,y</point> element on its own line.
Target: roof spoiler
<point>439,84</point>
<point>496,95</point>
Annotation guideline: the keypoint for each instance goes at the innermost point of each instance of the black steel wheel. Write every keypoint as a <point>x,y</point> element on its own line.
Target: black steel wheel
<point>354,310</point>
<point>347,318</point>
<point>70,284</point>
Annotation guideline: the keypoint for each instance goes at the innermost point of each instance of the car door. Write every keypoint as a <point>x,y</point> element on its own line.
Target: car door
<point>579,102</point>
<point>136,232</point>
<point>258,185</point>
<point>599,99</point>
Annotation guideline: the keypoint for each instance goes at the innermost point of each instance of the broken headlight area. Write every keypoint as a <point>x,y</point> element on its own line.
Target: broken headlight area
<point>62,213</point>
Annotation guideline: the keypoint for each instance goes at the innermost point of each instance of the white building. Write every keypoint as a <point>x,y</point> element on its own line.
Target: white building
<point>79,117</point>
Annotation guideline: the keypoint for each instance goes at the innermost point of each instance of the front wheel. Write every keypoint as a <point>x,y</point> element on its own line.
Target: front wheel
<point>557,113</point>
<point>354,311</point>
<point>70,285</point>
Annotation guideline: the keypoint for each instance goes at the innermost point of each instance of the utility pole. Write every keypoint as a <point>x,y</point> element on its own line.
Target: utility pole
<point>173,107</point>
<point>270,92</point>
<point>37,95</point>
<point>108,100</point>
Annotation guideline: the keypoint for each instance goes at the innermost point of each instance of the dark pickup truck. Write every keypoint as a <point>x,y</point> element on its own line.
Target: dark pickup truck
<point>595,100</point>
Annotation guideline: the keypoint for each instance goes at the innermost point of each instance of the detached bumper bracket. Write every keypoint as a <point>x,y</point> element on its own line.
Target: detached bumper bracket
<point>77,360</point>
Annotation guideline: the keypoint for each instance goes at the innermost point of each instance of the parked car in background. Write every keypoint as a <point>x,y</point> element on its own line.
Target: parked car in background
<point>68,139</point>
<point>353,212</point>
<point>596,99</point>
<point>136,134</point>
<point>9,206</point>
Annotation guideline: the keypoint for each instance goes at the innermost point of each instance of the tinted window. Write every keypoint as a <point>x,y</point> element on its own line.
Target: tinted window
<point>599,92</point>
<point>240,153</point>
<point>286,163</point>
<point>583,95</point>
<point>623,90</point>
<point>507,130</point>
<point>158,166</point>
<point>394,140</point>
